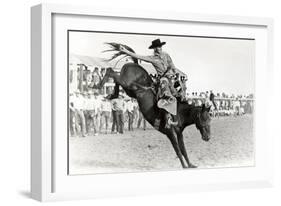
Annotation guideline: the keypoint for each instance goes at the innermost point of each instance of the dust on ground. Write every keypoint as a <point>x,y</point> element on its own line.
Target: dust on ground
<point>231,145</point>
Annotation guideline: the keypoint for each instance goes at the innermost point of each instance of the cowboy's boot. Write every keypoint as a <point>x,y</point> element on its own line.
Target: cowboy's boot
<point>157,124</point>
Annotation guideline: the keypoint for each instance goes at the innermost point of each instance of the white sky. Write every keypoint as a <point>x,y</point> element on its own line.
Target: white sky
<point>221,65</point>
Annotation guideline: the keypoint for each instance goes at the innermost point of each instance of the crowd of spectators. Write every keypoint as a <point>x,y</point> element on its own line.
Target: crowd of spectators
<point>92,113</point>
<point>223,104</point>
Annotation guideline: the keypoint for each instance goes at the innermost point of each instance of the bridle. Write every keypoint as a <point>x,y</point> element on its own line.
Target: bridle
<point>200,122</point>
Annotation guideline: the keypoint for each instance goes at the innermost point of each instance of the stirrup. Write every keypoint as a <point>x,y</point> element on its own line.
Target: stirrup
<point>170,122</point>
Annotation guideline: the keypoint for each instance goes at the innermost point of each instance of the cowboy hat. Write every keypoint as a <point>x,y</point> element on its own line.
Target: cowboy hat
<point>156,43</point>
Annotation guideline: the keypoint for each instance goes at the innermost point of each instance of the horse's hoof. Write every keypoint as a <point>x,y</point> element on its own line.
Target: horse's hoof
<point>192,166</point>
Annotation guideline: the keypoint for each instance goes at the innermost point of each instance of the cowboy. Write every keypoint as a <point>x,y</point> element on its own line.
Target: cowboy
<point>164,66</point>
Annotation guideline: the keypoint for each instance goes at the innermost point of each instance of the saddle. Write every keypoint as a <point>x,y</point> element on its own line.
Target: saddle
<point>168,104</point>
<point>169,101</point>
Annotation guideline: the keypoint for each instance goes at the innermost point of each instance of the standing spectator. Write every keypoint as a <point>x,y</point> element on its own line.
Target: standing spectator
<point>80,77</point>
<point>79,105</point>
<point>207,95</point>
<point>226,107</point>
<point>86,77</point>
<point>248,106</point>
<point>97,110</point>
<point>135,103</point>
<point>206,99</point>
<point>130,111</point>
<point>223,103</point>
<point>86,111</point>
<point>73,79</point>
<point>114,117</point>
<point>141,119</point>
<point>184,88</point>
<point>236,106</point>
<point>95,80</point>
<point>72,116</point>
<point>102,72</point>
<point>96,76</point>
<point>105,114</point>
<point>217,103</point>
<point>118,108</point>
<point>212,99</point>
<point>90,114</point>
<point>243,105</point>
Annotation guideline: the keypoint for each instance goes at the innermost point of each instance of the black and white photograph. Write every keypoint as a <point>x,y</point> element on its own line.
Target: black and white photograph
<point>141,102</point>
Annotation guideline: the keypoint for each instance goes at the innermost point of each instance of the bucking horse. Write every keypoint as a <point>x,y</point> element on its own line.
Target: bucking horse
<point>138,84</point>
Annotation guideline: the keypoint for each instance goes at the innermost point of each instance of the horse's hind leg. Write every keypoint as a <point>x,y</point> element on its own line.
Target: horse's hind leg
<point>183,150</point>
<point>172,137</point>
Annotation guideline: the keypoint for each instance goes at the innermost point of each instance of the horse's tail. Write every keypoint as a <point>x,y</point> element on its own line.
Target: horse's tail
<point>115,47</point>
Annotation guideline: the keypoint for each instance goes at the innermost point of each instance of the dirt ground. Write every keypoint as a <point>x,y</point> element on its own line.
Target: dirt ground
<point>231,145</point>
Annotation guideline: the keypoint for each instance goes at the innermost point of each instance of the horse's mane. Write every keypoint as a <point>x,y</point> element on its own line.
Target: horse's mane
<point>115,47</point>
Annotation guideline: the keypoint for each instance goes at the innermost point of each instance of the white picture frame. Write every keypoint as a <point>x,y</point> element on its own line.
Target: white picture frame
<point>49,180</point>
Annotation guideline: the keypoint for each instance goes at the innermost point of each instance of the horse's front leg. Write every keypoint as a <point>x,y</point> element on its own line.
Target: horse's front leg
<point>183,150</point>
<point>172,137</point>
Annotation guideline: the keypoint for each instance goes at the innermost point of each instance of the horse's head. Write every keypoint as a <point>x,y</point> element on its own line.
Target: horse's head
<point>202,123</point>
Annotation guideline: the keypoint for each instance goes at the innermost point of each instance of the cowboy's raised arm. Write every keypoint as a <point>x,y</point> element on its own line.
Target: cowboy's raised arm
<point>132,54</point>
